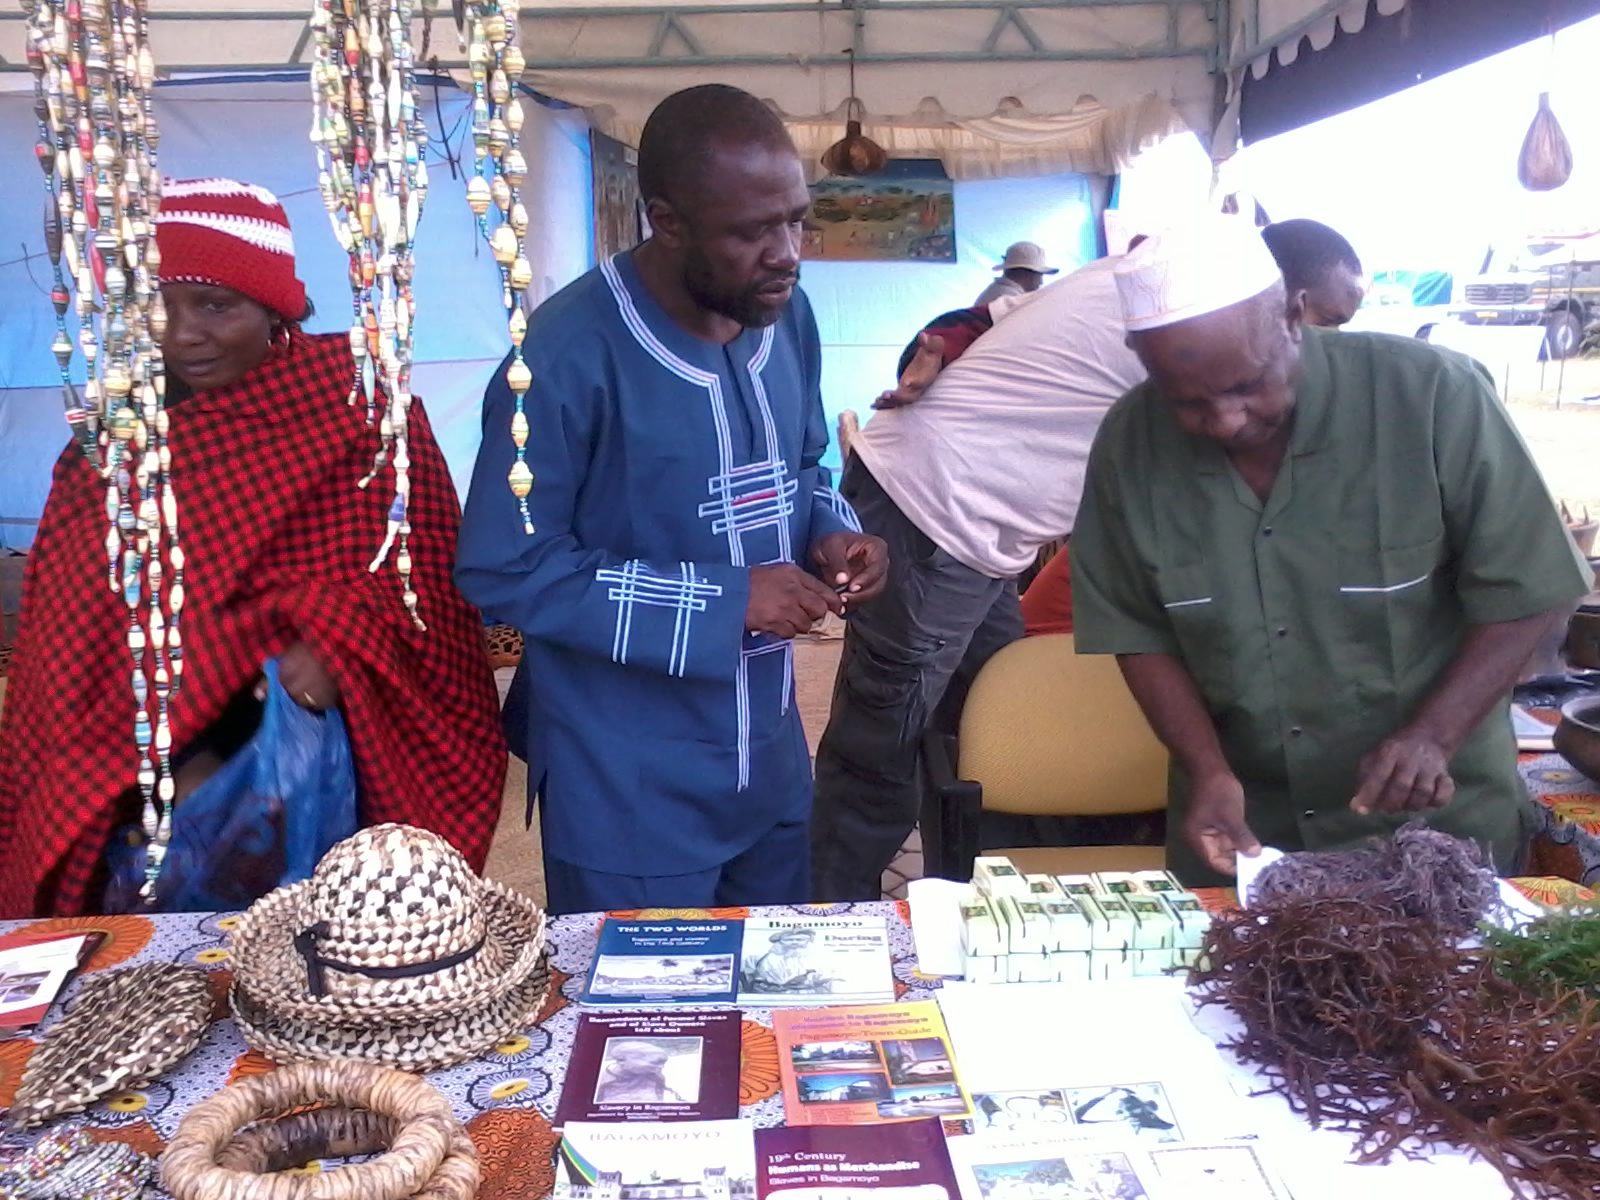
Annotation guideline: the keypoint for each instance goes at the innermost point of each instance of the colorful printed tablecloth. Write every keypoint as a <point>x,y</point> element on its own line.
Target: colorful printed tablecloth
<point>508,1096</point>
<point>1566,842</point>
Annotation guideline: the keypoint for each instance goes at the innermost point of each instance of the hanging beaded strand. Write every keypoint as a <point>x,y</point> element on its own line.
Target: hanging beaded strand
<point>94,79</point>
<point>371,170</point>
<point>496,63</point>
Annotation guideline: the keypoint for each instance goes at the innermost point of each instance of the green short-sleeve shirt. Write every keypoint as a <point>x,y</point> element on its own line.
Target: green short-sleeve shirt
<point>1407,510</point>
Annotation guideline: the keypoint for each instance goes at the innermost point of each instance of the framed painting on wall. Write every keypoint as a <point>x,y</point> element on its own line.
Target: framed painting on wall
<point>619,222</point>
<point>905,213</point>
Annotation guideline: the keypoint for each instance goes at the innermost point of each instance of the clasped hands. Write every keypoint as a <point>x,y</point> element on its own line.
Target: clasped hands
<point>786,600</point>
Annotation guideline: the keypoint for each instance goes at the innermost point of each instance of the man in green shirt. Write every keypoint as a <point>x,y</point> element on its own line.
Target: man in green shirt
<point>1321,559</point>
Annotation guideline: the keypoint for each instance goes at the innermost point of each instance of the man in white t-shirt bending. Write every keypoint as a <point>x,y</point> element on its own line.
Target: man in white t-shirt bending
<point>966,484</point>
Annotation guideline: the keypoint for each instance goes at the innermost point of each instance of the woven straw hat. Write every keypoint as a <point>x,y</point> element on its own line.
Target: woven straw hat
<point>392,952</point>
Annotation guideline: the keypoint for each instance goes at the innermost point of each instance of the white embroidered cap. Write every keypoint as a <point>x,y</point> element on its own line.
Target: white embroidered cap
<point>1199,267</point>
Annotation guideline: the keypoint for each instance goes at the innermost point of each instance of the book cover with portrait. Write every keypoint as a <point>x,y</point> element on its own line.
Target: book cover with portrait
<point>808,962</point>
<point>652,1066</point>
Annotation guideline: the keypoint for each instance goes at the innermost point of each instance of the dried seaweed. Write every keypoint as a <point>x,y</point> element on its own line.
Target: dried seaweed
<point>1420,872</point>
<point>1375,1022</point>
<point>1556,954</point>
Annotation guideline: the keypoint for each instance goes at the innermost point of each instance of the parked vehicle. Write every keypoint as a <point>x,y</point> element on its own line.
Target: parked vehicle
<point>1404,303</point>
<point>1551,281</point>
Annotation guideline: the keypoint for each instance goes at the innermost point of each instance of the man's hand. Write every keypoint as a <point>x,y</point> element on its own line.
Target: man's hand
<point>1410,772</point>
<point>1216,827</point>
<point>785,601</point>
<point>919,374</point>
<point>305,679</point>
<point>855,564</point>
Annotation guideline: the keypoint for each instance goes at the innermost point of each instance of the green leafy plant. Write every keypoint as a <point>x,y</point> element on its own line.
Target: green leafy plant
<point>1554,955</point>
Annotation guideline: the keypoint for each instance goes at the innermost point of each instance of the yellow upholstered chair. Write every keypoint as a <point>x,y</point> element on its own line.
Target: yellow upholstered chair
<point>1045,732</point>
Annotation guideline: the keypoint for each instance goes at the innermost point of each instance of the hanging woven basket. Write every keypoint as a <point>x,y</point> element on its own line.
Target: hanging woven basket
<point>236,1143</point>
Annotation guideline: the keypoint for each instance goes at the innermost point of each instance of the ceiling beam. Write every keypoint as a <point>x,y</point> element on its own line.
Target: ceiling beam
<point>669,24</point>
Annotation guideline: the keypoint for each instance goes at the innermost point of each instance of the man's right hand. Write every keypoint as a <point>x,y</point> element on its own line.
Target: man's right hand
<point>919,374</point>
<point>1215,827</point>
<point>786,601</point>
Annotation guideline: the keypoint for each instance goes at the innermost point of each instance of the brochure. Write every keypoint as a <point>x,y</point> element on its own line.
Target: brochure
<point>34,973</point>
<point>682,1160</point>
<point>665,962</point>
<point>867,1065</point>
<point>660,1066</point>
<point>1130,1068</point>
<point>804,962</point>
<point>841,1162</point>
<point>1053,1168</point>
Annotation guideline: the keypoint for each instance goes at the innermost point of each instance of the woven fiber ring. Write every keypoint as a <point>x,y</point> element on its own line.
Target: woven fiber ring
<point>430,1155</point>
<point>432,1045</point>
<point>299,1138</point>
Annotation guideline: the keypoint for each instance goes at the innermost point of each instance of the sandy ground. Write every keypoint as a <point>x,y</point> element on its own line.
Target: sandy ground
<point>1563,430</point>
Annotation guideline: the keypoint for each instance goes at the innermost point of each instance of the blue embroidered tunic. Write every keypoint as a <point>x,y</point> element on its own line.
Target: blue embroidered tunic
<point>662,739</point>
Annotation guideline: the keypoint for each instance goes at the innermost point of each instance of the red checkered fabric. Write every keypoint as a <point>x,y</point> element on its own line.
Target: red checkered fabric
<point>277,538</point>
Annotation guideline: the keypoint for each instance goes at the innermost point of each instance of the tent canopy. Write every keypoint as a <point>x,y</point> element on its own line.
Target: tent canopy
<point>920,62</point>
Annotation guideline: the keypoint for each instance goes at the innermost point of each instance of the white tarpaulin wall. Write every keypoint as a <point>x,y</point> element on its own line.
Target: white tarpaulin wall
<point>967,60</point>
<point>256,131</point>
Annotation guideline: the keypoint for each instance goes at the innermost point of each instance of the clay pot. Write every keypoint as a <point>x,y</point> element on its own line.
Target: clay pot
<point>1577,737</point>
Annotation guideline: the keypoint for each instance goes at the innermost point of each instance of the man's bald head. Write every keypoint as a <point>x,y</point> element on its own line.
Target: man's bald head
<point>678,147</point>
<point>726,198</point>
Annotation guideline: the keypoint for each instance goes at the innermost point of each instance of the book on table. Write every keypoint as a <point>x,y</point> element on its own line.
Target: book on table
<point>652,1066</point>
<point>867,1065</point>
<point>665,962</point>
<point>645,1160</point>
<point>844,1162</point>
<point>797,961</point>
<point>731,1160</point>
<point>34,972</point>
<point>1041,1164</point>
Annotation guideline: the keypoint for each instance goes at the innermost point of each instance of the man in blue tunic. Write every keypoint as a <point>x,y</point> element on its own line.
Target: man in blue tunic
<point>675,432</point>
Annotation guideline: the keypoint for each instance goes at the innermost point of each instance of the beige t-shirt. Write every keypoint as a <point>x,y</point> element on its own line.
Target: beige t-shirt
<point>989,463</point>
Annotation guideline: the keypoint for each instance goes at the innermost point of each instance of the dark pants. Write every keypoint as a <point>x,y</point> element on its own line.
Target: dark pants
<point>773,871</point>
<point>909,658</point>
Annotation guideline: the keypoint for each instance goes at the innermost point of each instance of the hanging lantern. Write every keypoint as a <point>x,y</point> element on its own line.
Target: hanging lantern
<point>855,154</point>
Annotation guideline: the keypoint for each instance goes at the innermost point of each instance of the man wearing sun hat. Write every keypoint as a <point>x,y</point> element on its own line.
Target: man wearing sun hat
<point>1321,559</point>
<point>1022,271</point>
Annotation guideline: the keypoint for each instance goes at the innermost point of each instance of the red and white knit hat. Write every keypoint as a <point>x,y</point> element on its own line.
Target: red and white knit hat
<point>234,235</point>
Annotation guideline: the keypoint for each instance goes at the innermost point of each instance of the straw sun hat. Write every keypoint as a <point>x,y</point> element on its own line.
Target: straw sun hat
<point>393,952</point>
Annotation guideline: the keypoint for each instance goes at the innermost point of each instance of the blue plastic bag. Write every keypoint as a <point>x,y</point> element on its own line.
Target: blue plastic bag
<point>262,821</point>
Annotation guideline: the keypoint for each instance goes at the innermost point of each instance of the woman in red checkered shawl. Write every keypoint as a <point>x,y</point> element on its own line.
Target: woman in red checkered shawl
<point>266,454</point>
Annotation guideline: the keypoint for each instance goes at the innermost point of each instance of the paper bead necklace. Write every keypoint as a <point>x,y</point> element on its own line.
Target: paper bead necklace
<point>371,141</point>
<point>93,82</point>
<point>496,64</point>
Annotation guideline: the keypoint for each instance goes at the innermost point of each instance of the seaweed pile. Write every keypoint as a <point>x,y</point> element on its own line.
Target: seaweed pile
<point>1420,873</point>
<point>1376,1022</point>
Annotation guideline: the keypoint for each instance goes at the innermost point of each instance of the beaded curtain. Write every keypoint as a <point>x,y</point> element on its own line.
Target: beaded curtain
<point>93,82</point>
